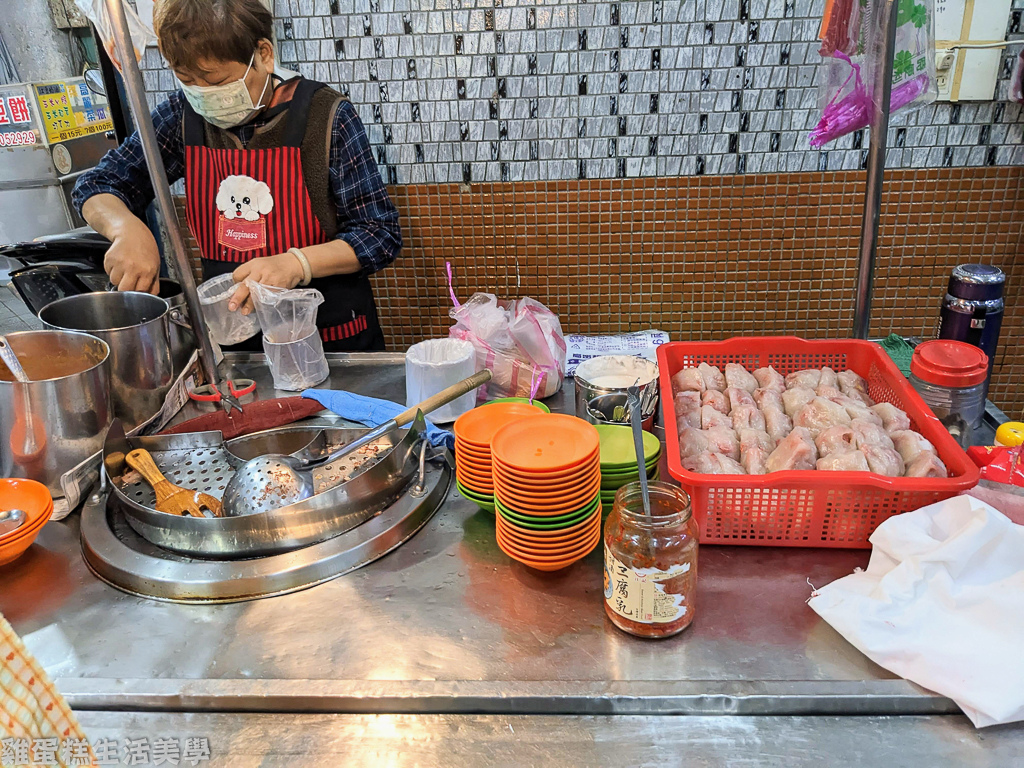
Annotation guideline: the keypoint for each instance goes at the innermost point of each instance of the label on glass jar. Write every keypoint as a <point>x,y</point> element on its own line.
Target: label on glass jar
<point>637,593</point>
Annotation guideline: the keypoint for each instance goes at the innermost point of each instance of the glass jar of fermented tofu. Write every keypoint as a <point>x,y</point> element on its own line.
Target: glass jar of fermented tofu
<point>650,563</point>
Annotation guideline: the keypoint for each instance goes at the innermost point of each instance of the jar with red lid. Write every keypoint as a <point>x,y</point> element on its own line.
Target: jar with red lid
<point>650,563</point>
<point>950,377</point>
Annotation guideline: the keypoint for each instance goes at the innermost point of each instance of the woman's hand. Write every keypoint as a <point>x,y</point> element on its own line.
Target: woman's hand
<point>280,271</point>
<point>133,260</point>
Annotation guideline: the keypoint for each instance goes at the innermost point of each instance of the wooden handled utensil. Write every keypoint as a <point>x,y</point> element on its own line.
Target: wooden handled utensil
<point>170,498</point>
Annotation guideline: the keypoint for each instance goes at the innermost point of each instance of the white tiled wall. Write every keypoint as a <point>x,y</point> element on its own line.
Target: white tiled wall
<point>489,90</point>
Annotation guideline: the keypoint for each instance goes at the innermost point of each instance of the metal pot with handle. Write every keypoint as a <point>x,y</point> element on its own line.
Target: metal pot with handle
<point>136,326</point>
<point>58,418</point>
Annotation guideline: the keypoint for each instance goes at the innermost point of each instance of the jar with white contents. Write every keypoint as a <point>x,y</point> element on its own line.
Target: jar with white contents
<point>650,563</point>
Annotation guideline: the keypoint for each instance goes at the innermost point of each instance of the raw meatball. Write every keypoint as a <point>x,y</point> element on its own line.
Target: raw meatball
<point>713,378</point>
<point>692,442</point>
<point>738,376</point>
<point>717,400</point>
<point>755,438</point>
<point>807,378</point>
<point>857,409</point>
<point>688,380</point>
<point>709,417</point>
<point>859,397</point>
<point>883,461</point>
<point>829,393</point>
<point>926,464</point>
<point>747,417</point>
<point>844,461</point>
<point>869,433</point>
<point>768,398</point>
<point>723,440</point>
<point>838,439</point>
<point>828,378</point>
<point>769,378</point>
<point>687,405</point>
<point>717,464</point>
<point>755,461</point>
<point>893,419</point>
<point>738,397</point>
<point>777,423</point>
<point>820,414</point>
<point>793,400</point>
<point>852,380</point>
<point>909,444</point>
<point>797,451</point>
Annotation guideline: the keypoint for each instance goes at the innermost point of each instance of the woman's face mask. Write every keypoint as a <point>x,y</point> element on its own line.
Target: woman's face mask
<point>226,105</point>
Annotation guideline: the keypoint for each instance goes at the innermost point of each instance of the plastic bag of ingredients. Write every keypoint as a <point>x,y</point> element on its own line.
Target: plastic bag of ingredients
<point>285,314</point>
<point>520,342</point>
<point>140,24</point>
<point>852,33</point>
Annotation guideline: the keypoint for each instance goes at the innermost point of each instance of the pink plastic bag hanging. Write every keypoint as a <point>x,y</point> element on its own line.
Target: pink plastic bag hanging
<point>520,342</point>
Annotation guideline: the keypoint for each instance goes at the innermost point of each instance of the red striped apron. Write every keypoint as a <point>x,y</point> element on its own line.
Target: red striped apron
<point>243,204</point>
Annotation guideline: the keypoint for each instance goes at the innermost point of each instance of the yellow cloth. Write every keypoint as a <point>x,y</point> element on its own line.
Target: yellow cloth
<point>32,713</point>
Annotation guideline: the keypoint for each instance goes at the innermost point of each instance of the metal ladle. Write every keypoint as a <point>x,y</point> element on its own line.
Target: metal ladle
<point>11,520</point>
<point>30,449</point>
<point>274,481</point>
<point>11,361</point>
<point>633,394</point>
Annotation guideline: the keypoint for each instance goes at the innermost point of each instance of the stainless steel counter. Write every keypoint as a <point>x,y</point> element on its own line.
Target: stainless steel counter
<point>448,625</point>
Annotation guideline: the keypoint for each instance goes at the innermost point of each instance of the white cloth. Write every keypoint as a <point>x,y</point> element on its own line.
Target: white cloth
<point>942,604</point>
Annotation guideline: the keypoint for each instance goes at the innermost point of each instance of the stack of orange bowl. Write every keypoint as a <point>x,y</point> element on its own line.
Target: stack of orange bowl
<point>35,501</point>
<point>547,485</point>
<point>473,433</point>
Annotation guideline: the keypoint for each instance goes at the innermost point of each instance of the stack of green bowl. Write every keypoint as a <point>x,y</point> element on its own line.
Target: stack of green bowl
<point>618,459</point>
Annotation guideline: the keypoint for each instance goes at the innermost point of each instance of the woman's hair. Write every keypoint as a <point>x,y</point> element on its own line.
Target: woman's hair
<point>222,30</point>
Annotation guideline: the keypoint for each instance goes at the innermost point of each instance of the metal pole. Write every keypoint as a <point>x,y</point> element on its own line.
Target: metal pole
<point>136,91</point>
<point>881,92</point>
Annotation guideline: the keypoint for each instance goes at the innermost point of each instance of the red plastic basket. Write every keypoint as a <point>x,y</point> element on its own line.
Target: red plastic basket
<point>807,508</point>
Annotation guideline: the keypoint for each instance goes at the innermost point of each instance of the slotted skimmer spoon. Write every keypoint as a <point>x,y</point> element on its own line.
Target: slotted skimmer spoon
<point>274,481</point>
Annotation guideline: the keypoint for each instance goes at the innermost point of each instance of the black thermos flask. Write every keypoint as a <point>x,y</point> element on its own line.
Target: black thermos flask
<point>973,309</point>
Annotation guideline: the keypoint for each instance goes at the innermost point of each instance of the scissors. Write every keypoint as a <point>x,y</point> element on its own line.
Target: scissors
<point>208,393</point>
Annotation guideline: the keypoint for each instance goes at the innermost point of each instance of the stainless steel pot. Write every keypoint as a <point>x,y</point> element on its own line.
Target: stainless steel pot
<point>136,326</point>
<point>611,375</point>
<point>183,342</point>
<point>56,421</point>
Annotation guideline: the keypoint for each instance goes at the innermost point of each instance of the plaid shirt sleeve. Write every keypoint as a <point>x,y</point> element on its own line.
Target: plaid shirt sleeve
<point>122,172</point>
<point>367,219</point>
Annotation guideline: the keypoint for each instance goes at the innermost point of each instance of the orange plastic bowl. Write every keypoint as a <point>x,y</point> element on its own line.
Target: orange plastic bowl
<point>480,465</point>
<point>546,505</point>
<point>550,539</point>
<point>14,544</point>
<point>546,443</point>
<point>561,486</point>
<point>478,427</point>
<point>534,552</point>
<point>484,454</point>
<point>545,562</point>
<point>27,495</point>
<point>485,473</point>
<point>477,486</point>
<point>591,461</point>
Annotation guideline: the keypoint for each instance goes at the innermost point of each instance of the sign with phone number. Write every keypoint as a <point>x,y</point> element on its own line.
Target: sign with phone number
<point>18,138</point>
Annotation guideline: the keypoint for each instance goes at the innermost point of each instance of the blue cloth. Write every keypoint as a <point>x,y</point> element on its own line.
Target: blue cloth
<point>372,412</point>
<point>367,219</point>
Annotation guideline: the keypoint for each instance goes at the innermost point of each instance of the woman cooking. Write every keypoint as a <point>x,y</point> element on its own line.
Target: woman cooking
<point>281,186</point>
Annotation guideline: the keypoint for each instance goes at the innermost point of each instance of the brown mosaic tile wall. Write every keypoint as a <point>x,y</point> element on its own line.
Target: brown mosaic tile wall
<point>709,257</point>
